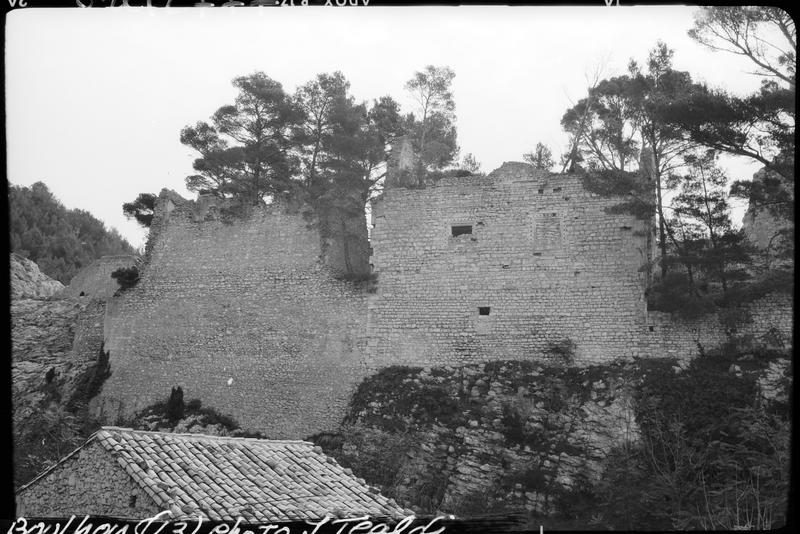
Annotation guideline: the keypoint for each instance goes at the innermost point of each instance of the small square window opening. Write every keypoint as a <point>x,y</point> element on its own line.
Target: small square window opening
<point>462,229</point>
<point>484,310</point>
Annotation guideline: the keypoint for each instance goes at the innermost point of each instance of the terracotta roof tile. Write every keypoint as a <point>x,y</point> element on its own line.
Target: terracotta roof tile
<point>225,478</point>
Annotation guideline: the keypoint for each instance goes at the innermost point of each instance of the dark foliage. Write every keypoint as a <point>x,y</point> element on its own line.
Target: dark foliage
<point>126,277</point>
<point>712,454</point>
<point>563,350</point>
<point>59,240</point>
<point>166,415</point>
<point>405,400</point>
<point>60,425</point>
<point>175,405</point>
<point>245,152</point>
<point>142,209</point>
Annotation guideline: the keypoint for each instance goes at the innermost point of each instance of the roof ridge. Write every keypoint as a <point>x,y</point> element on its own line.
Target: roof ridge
<point>200,435</point>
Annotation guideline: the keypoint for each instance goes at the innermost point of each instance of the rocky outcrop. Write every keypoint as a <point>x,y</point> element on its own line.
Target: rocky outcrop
<point>508,436</point>
<point>57,364</point>
<point>28,282</point>
<point>529,439</point>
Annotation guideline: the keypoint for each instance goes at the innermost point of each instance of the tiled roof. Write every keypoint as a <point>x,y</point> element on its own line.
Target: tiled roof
<point>226,478</point>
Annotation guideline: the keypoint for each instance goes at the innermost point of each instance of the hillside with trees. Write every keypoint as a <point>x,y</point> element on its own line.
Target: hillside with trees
<point>61,241</point>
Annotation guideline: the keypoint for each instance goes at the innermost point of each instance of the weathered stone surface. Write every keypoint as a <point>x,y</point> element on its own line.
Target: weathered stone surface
<point>94,280</point>
<point>56,347</point>
<point>558,428</point>
<point>544,263</point>
<point>249,314</point>
<point>243,314</point>
<point>549,437</point>
<point>760,225</point>
<point>91,482</point>
<point>28,282</point>
<point>57,362</point>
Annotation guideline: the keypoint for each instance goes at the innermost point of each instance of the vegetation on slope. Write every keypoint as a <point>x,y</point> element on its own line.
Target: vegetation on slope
<point>54,377</point>
<point>176,415</point>
<point>59,240</point>
<point>706,444</point>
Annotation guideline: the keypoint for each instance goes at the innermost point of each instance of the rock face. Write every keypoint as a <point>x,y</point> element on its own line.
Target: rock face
<point>28,282</point>
<point>57,362</point>
<point>506,435</point>
<point>524,437</point>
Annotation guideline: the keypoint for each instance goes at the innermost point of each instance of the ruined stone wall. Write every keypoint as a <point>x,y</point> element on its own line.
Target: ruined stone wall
<point>242,314</point>
<point>95,280</point>
<point>90,482</point>
<point>760,225</point>
<point>543,256</point>
<point>767,320</point>
<point>544,260</point>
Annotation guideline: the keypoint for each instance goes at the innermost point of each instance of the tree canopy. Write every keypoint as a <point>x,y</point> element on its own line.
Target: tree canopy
<point>541,157</point>
<point>59,240</point>
<point>245,152</point>
<point>432,123</point>
<point>142,209</point>
<point>653,136</point>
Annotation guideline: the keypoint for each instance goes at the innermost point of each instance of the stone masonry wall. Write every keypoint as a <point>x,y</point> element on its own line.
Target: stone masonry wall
<point>768,320</point>
<point>95,280</point>
<point>90,482</point>
<point>543,256</point>
<point>546,262</point>
<point>243,315</point>
<point>248,314</point>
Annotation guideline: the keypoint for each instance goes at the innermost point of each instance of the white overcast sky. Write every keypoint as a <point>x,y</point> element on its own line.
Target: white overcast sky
<point>96,98</point>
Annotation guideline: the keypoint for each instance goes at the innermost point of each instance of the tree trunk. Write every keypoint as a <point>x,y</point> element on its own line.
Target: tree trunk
<point>655,177</point>
<point>346,247</point>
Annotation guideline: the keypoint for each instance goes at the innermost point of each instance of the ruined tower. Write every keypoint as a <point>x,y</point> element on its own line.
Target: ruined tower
<point>403,168</point>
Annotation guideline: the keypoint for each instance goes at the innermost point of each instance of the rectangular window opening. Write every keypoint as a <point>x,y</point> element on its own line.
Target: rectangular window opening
<point>556,190</point>
<point>461,230</point>
<point>484,310</point>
